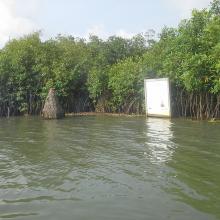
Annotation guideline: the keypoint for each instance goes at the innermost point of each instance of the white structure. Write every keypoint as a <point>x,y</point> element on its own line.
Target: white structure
<point>157,97</point>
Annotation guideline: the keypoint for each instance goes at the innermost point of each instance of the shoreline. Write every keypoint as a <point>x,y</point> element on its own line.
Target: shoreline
<point>137,115</point>
<point>103,114</point>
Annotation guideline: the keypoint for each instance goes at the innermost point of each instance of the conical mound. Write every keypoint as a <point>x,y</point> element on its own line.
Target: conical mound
<point>52,108</point>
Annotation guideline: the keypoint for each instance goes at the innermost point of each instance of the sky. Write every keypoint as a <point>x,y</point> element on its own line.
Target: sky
<point>84,17</point>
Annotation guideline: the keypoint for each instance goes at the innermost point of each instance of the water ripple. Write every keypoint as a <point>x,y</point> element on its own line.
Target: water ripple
<point>116,168</point>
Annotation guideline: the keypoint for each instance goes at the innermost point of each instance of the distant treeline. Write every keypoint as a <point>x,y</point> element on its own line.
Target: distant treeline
<point>107,75</point>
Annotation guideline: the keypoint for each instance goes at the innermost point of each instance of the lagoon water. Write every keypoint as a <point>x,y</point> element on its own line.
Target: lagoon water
<point>109,168</point>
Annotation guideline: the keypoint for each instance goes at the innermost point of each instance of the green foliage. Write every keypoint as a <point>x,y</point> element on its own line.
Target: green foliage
<point>126,84</point>
<point>85,73</point>
<point>215,7</point>
<point>106,54</point>
<point>189,55</point>
<point>21,80</point>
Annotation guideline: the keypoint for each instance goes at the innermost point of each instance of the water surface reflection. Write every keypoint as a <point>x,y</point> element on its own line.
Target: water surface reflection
<point>159,144</point>
<point>109,168</point>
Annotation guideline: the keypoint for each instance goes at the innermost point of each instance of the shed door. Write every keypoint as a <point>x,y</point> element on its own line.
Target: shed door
<point>157,94</point>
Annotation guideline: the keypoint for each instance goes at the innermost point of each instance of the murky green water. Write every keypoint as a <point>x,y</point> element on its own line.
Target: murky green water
<point>109,168</point>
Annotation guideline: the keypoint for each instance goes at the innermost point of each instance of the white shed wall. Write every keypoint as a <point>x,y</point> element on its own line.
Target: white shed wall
<point>157,97</point>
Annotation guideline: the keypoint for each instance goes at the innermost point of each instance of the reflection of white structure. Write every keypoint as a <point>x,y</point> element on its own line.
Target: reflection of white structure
<point>159,143</point>
<point>157,97</point>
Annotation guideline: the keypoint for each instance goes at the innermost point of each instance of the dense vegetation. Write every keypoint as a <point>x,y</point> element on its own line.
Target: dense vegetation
<point>107,76</point>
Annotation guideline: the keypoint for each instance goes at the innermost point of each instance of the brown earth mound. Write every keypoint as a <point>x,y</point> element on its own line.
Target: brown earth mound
<point>52,108</point>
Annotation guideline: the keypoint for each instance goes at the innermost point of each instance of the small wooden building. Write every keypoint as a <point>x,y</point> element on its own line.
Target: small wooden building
<point>158,97</point>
